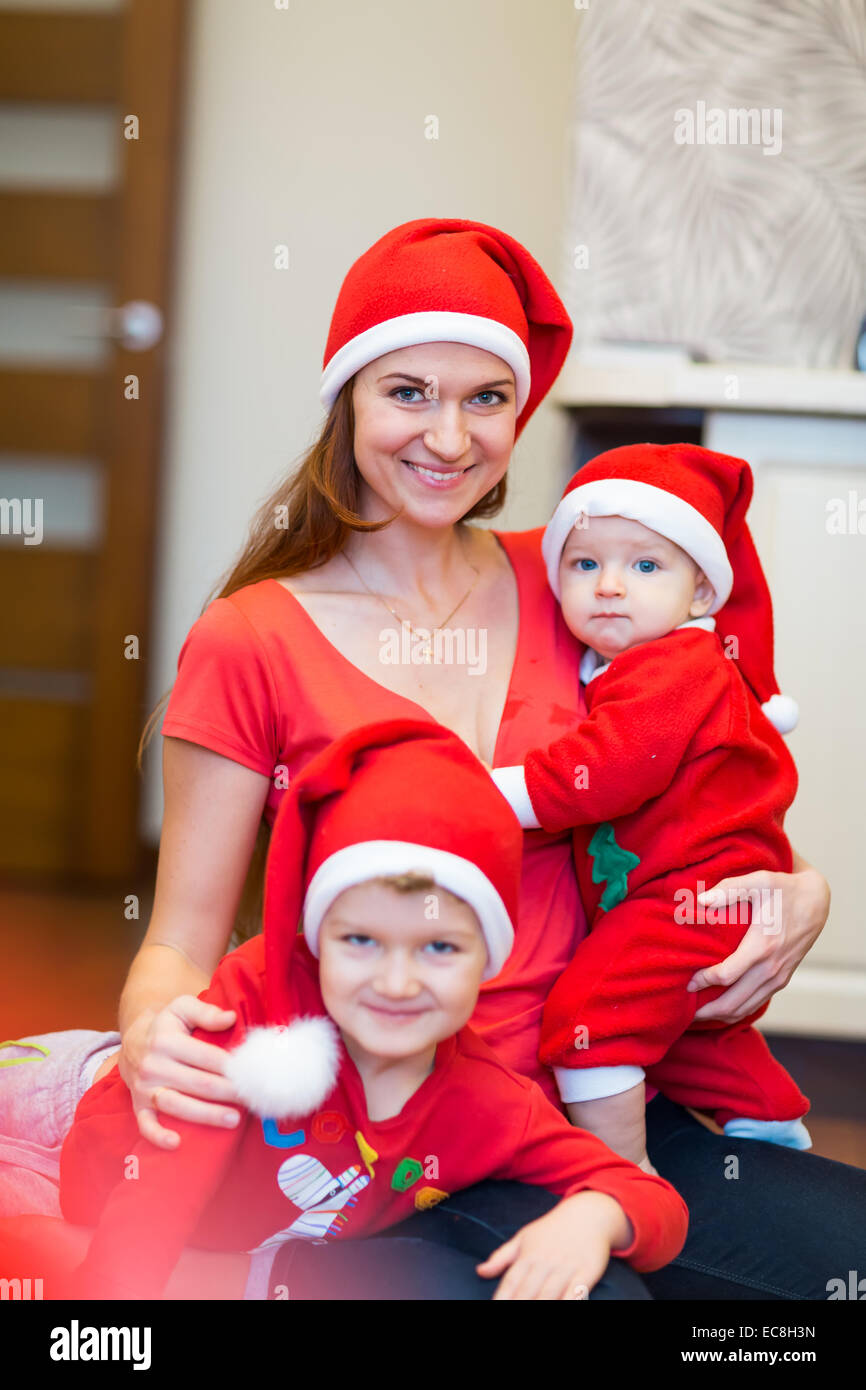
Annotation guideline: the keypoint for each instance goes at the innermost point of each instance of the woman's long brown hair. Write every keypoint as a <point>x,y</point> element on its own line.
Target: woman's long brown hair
<point>300,526</point>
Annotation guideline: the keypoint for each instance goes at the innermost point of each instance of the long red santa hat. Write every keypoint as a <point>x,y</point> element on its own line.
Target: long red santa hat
<point>398,796</point>
<point>697,499</point>
<point>446,279</point>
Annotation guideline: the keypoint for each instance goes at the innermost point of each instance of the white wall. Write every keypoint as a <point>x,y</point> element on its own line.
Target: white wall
<point>306,126</point>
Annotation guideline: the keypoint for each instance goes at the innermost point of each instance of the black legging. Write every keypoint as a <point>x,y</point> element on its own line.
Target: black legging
<point>765,1222</point>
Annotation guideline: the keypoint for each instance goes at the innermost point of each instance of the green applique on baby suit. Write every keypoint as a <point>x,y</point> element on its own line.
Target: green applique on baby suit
<point>611,864</point>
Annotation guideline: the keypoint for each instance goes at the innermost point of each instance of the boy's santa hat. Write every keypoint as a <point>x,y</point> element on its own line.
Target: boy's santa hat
<point>445,279</point>
<point>388,798</point>
<point>697,499</point>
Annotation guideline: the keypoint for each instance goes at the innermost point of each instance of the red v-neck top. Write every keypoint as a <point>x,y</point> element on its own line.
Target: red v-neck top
<point>261,684</point>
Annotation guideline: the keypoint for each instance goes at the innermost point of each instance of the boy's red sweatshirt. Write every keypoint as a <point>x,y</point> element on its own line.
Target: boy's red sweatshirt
<point>335,1174</point>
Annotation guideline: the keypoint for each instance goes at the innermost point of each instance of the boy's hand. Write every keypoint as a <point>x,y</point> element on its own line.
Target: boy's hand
<point>563,1254</point>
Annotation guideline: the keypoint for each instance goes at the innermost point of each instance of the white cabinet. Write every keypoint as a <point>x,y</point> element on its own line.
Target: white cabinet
<point>810,491</point>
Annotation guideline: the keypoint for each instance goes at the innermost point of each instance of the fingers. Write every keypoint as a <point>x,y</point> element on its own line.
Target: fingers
<point>736,889</point>
<point>174,1057</point>
<point>195,1013</point>
<point>729,970</point>
<point>523,1281</point>
<point>187,1073</point>
<point>150,1128</point>
<point>541,1281</point>
<point>499,1260</point>
<point>161,1100</point>
<point>736,1002</point>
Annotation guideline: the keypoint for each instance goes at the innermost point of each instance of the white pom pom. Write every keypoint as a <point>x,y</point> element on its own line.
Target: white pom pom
<point>288,1070</point>
<point>782,712</point>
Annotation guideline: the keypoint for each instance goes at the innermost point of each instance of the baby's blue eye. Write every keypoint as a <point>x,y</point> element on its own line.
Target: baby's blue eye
<point>357,938</point>
<point>647,566</point>
<point>587,565</point>
<point>441,948</point>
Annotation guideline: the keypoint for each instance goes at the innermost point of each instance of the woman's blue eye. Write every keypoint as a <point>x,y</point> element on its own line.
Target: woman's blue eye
<point>416,390</point>
<point>642,566</point>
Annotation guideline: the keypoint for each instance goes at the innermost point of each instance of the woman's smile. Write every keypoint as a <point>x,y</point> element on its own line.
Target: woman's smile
<point>437,477</point>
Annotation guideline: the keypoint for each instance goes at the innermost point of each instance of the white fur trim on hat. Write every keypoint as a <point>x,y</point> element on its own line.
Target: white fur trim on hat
<point>430,326</point>
<point>375,858</point>
<point>783,712</point>
<point>661,511</point>
<point>285,1070</point>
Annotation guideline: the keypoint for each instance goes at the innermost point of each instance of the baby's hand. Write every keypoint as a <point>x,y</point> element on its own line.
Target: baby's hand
<point>563,1254</point>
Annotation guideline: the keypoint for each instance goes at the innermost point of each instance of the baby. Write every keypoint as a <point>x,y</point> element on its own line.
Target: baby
<point>676,779</point>
<point>367,1098</point>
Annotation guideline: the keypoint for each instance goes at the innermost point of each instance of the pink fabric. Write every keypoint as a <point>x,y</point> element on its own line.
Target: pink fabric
<point>260,683</point>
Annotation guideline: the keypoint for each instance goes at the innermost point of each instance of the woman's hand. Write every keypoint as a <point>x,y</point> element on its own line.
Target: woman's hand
<point>793,911</point>
<point>563,1254</point>
<point>159,1055</point>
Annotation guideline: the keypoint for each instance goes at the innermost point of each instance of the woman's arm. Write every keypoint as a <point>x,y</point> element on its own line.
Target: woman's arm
<point>795,908</point>
<point>213,807</point>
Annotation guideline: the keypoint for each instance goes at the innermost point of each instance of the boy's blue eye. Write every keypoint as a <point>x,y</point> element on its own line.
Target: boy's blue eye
<point>642,566</point>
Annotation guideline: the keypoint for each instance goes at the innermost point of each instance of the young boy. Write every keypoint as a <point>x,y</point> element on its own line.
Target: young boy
<point>676,779</point>
<point>367,1098</point>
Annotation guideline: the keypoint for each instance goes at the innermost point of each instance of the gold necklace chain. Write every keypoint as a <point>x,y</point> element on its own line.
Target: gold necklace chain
<point>427,647</point>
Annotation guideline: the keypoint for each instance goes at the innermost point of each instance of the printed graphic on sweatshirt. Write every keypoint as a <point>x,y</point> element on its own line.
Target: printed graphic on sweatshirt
<point>321,1196</point>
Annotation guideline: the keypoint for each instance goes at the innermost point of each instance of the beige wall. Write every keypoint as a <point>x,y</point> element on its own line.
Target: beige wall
<point>306,127</point>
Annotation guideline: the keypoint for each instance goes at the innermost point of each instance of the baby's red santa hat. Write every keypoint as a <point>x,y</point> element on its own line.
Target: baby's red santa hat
<point>697,499</point>
<point>445,279</point>
<point>388,798</point>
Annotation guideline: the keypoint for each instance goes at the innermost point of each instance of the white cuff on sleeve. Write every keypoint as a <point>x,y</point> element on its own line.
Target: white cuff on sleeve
<point>511,781</point>
<point>594,1083</point>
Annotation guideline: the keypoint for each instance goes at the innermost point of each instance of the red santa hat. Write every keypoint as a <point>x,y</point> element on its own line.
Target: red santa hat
<point>697,499</point>
<point>388,798</point>
<point>445,279</point>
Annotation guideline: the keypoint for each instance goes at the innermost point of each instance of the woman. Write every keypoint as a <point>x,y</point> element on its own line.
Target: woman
<point>445,337</point>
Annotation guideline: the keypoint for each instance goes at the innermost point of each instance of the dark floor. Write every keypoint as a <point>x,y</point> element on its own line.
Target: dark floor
<point>66,955</point>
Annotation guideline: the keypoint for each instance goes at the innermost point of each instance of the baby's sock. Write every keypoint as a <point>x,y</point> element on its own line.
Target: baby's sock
<point>793,1134</point>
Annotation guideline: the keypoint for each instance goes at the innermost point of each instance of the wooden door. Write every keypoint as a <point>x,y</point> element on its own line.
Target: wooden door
<point>83,424</point>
